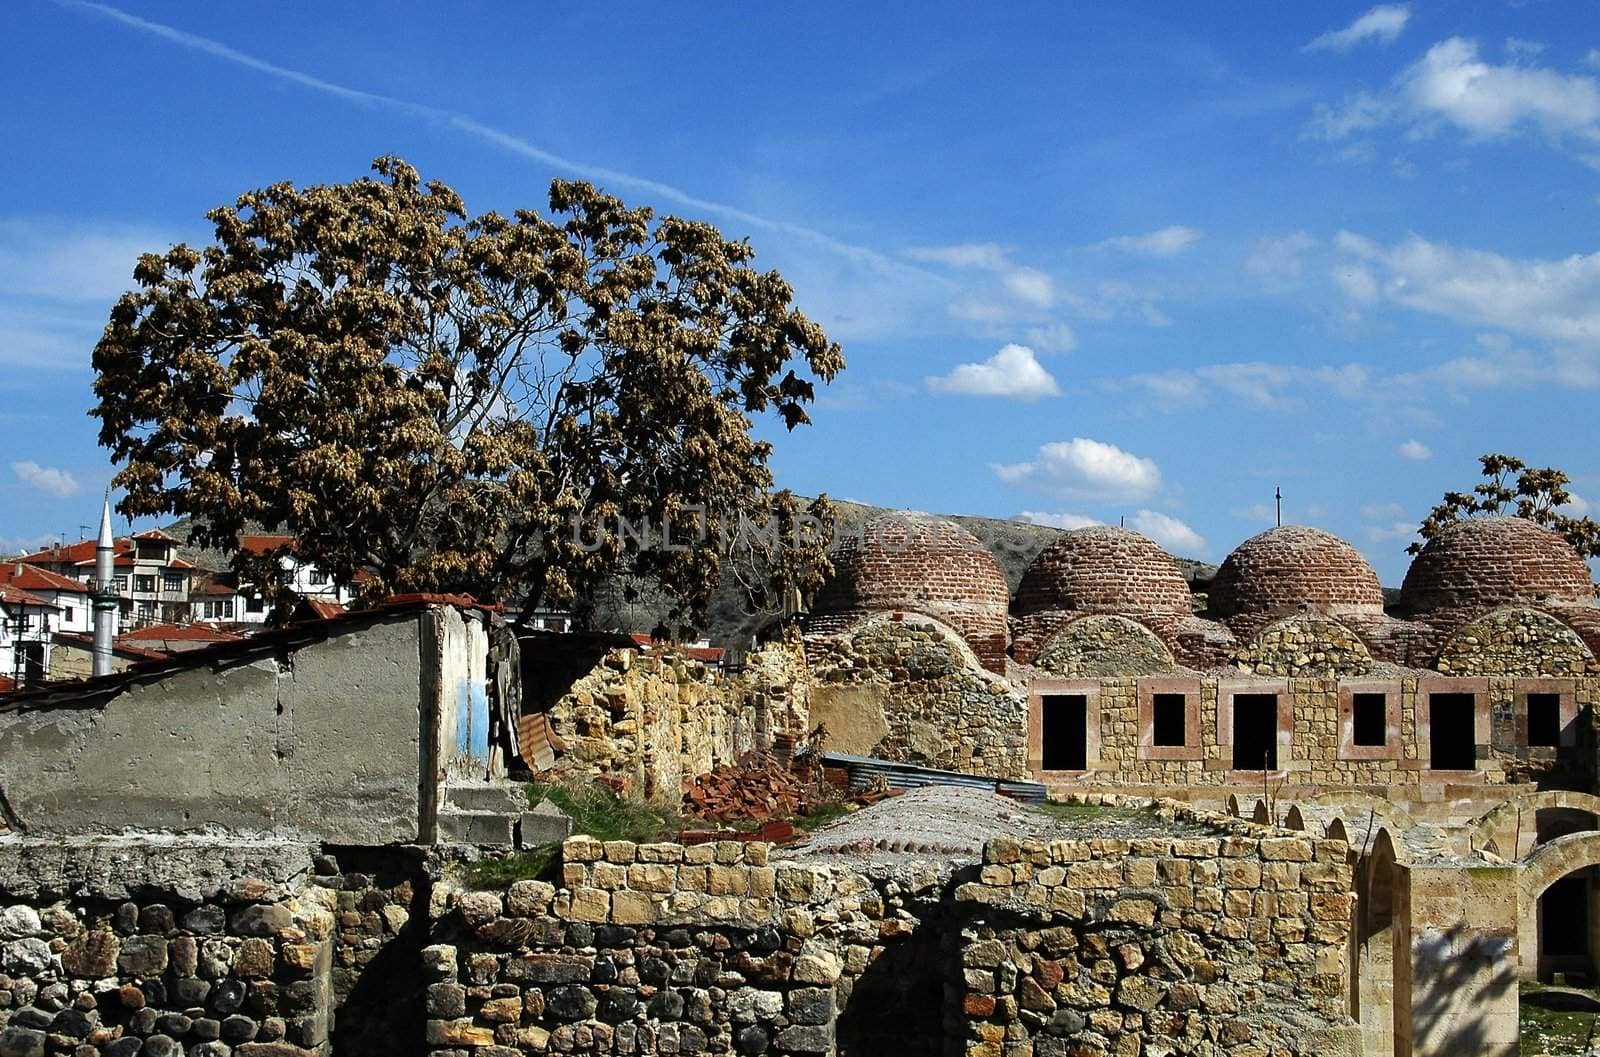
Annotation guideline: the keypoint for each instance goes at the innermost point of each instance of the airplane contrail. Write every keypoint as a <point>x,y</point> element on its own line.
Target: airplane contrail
<point>497,137</point>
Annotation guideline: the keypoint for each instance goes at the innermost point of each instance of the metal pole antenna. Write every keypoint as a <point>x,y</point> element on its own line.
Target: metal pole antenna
<point>1277,494</point>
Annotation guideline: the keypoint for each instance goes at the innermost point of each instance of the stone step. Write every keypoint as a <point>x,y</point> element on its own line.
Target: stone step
<point>495,828</point>
<point>503,797</point>
<point>545,824</point>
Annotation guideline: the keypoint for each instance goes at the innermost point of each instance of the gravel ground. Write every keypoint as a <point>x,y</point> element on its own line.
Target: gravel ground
<point>952,823</point>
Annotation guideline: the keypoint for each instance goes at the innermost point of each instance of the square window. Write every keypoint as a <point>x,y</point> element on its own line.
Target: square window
<point>1167,726</point>
<point>1255,732</point>
<point>1544,720</point>
<point>1369,713</point>
<point>1452,745</point>
<point>1065,732</point>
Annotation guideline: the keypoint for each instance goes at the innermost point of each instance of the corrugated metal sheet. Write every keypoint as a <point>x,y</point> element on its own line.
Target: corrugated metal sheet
<point>536,741</point>
<point>863,769</point>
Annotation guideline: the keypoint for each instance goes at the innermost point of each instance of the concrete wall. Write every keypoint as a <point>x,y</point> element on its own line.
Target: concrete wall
<point>323,741</point>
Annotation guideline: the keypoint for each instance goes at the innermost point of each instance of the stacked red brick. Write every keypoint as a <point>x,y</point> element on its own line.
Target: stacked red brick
<point>1097,570</point>
<point>1483,563</point>
<point>1293,569</point>
<point>904,563</point>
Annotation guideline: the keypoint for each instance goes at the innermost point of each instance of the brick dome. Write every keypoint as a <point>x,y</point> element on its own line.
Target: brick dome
<point>1486,562</point>
<point>920,565</point>
<point>1294,568</point>
<point>1101,569</point>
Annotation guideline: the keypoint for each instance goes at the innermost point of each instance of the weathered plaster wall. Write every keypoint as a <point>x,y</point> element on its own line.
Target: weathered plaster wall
<point>322,742</point>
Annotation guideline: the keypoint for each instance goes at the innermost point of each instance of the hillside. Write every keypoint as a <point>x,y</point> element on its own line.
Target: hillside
<point>1013,543</point>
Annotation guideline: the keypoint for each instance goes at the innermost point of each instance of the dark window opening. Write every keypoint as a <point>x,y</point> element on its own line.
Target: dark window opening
<point>1544,719</point>
<point>1168,721</point>
<point>1564,917</point>
<point>1255,732</point>
<point>1066,732</point>
<point>1370,713</point>
<point>1452,745</point>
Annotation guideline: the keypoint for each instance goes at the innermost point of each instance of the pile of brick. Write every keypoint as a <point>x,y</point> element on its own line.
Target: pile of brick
<point>759,788</point>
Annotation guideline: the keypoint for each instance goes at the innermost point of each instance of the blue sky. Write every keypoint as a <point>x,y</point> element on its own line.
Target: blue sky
<point>1143,263</point>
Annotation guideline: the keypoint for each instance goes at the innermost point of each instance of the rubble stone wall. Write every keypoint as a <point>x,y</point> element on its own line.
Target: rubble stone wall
<point>1104,645</point>
<point>122,962</point>
<point>1516,641</point>
<point>657,719</point>
<point>929,697</point>
<point>1180,945</point>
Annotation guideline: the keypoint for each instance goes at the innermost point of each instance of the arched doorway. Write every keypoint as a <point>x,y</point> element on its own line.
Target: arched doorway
<point>1372,1003</point>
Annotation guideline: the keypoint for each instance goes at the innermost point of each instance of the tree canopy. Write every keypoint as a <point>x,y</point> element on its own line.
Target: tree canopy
<point>1511,486</point>
<point>492,404</point>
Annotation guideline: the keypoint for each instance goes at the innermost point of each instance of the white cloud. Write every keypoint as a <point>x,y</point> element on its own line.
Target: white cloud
<point>1553,299</point>
<point>1017,282</point>
<point>1053,337</point>
<point>1381,511</point>
<point>65,262</point>
<point>1012,372</point>
<point>1279,260</point>
<point>1415,450</point>
<point>1452,82</point>
<point>1060,521</point>
<point>1030,285</point>
<point>1577,506</point>
<point>1167,242</point>
<point>1382,24</point>
<point>1593,58</point>
<point>1395,530</point>
<point>1168,531</point>
<point>1086,468</point>
<point>1265,385</point>
<point>985,256</point>
<point>48,480</point>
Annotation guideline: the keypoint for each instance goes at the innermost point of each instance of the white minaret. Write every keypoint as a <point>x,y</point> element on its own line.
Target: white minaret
<point>105,593</point>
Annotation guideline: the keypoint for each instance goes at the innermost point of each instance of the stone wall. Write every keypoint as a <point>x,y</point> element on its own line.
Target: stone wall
<point>653,720</point>
<point>1195,944</point>
<point>121,960</point>
<point>907,688</point>
<point>1305,646</point>
<point>1516,641</point>
<point>1104,645</point>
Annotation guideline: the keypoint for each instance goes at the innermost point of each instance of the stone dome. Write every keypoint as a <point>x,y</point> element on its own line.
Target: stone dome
<point>1101,569</point>
<point>921,565</point>
<point>1294,568</point>
<point>1485,562</point>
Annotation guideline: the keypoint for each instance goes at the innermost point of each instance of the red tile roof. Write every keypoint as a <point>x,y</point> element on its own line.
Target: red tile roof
<point>6,684</point>
<point>324,610</point>
<point>155,534</point>
<point>265,543</point>
<point>34,578</point>
<point>179,632</point>
<point>118,647</point>
<point>17,597</point>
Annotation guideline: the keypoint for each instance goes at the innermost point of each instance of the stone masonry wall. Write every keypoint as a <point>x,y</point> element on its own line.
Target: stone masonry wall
<point>1516,641</point>
<point>1218,944</point>
<point>655,720</point>
<point>660,948</point>
<point>924,694</point>
<point>243,969</point>
<point>1104,645</point>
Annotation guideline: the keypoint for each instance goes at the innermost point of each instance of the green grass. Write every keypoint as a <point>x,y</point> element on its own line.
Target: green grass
<point>820,815</point>
<point>595,811</point>
<point>1076,812</point>
<point>1558,1033</point>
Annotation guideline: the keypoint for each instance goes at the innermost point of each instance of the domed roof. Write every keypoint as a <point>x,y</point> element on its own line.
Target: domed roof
<point>1101,569</point>
<point>922,565</point>
<point>1486,562</point>
<point>1295,567</point>
<point>901,560</point>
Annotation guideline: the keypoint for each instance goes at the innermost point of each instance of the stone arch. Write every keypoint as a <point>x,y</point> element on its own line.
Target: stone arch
<point>1303,646</point>
<point>1295,818</point>
<point>1551,862</point>
<point>1486,825</point>
<point>1105,645</point>
<point>1514,640</point>
<point>907,687</point>
<point>1233,806</point>
<point>1375,947</point>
